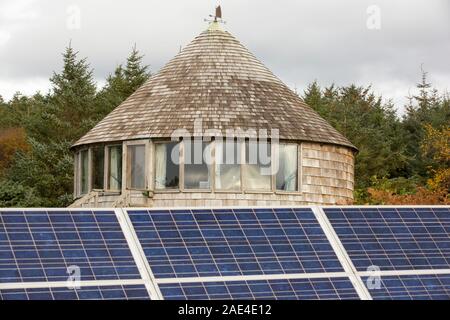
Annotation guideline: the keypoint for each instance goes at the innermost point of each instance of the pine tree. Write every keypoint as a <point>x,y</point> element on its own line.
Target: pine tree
<point>72,103</point>
<point>122,83</point>
<point>135,73</point>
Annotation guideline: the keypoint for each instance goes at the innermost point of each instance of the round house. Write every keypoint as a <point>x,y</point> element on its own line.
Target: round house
<point>213,128</point>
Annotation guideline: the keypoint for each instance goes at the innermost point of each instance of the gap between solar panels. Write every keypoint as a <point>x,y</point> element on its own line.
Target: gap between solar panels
<point>185,280</point>
<point>407,248</point>
<point>227,253</point>
<point>62,254</point>
<point>250,253</point>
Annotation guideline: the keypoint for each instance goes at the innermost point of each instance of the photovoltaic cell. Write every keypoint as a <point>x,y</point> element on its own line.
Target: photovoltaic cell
<point>202,243</point>
<point>299,289</point>
<point>41,246</point>
<point>394,238</point>
<point>412,287</point>
<point>127,292</point>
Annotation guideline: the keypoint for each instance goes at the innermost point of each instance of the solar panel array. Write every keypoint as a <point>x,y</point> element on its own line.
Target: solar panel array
<point>40,246</point>
<point>242,253</point>
<point>125,292</point>
<point>294,289</point>
<point>59,248</point>
<point>394,238</point>
<point>208,243</point>
<point>413,287</point>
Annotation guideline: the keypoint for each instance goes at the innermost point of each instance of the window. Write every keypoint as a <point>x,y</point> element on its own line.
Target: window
<point>84,172</point>
<point>98,165</point>
<point>115,168</point>
<point>167,166</point>
<point>287,174</point>
<point>136,158</point>
<point>228,166</point>
<point>197,160</point>
<point>257,171</point>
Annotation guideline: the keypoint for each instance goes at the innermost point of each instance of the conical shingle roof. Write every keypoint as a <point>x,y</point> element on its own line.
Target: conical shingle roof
<point>217,79</point>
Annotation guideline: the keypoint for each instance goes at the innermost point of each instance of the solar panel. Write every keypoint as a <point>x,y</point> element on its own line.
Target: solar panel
<point>233,242</point>
<point>413,287</point>
<point>125,292</point>
<point>394,238</point>
<point>40,246</point>
<point>304,289</point>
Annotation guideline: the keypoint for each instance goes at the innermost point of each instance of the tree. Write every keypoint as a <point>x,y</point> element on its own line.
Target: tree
<point>12,140</point>
<point>122,83</point>
<point>71,105</point>
<point>135,73</point>
<point>368,123</point>
<point>436,145</point>
<point>425,108</point>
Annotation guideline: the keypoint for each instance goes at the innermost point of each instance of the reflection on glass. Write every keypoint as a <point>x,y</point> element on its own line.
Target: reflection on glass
<point>228,167</point>
<point>287,175</point>
<point>136,158</point>
<point>84,172</point>
<point>197,174</point>
<point>167,165</point>
<point>98,162</point>
<point>257,172</point>
<point>115,168</point>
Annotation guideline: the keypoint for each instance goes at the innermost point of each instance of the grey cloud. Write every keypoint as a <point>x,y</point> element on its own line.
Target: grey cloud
<point>300,41</point>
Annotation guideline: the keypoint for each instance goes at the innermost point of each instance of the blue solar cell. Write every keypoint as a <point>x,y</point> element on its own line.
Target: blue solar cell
<point>40,246</point>
<point>394,238</point>
<point>203,243</point>
<point>411,287</point>
<point>299,289</point>
<point>126,292</point>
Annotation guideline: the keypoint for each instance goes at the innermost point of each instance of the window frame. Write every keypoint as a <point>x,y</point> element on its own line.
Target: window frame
<point>150,168</point>
<point>108,169</point>
<point>299,166</point>
<point>244,167</point>
<point>211,188</point>
<point>93,166</point>
<point>241,145</point>
<point>80,172</point>
<point>180,167</point>
<point>143,143</point>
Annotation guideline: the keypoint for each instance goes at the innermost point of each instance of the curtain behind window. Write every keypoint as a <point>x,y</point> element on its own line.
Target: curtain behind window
<point>287,175</point>
<point>115,168</point>
<point>228,167</point>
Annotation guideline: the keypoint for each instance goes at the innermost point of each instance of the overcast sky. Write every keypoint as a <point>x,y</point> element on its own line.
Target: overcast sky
<point>301,41</point>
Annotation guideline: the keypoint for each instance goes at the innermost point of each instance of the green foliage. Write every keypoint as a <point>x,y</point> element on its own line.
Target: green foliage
<point>13,194</point>
<point>120,85</point>
<point>43,176</point>
<point>389,147</point>
<point>426,108</point>
<point>368,123</point>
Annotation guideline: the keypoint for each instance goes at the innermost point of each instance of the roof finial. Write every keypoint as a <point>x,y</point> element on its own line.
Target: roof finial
<point>218,13</point>
<point>217,18</point>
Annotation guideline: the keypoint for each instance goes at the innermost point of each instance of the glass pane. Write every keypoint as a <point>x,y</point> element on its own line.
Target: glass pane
<point>136,156</point>
<point>84,172</point>
<point>257,173</point>
<point>197,174</point>
<point>287,175</point>
<point>228,166</point>
<point>167,166</point>
<point>98,162</point>
<point>115,168</point>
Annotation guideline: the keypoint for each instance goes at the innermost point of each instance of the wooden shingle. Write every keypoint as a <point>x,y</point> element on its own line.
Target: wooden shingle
<point>217,79</point>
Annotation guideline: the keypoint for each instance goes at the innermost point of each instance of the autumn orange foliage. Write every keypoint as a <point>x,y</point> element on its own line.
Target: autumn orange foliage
<point>423,196</point>
<point>11,141</point>
<point>436,145</point>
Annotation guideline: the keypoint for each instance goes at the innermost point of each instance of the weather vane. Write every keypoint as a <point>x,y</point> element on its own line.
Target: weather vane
<point>217,17</point>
